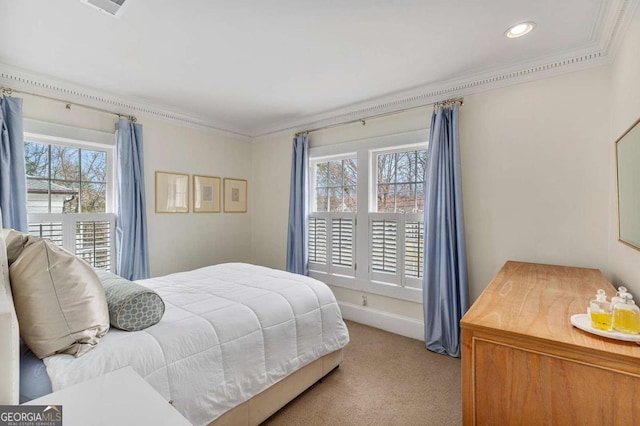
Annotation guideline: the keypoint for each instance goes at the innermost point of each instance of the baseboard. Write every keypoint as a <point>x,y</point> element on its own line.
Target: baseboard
<point>398,324</point>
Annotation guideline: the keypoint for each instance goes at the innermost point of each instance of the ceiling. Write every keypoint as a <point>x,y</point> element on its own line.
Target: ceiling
<point>253,67</point>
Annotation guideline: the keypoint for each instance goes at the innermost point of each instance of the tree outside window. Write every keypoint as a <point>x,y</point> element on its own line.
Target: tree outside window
<point>335,185</point>
<point>400,181</point>
<point>64,179</point>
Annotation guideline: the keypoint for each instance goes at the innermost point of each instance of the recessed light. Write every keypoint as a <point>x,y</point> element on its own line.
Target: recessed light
<point>520,29</point>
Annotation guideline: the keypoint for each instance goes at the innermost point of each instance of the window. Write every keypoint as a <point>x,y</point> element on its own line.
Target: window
<point>69,189</point>
<point>396,227</point>
<point>400,181</point>
<point>335,185</point>
<point>366,214</point>
<point>332,220</point>
<point>65,179</point>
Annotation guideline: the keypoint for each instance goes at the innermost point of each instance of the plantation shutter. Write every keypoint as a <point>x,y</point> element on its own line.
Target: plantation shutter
<point>48,230</point>
<point>397,248</point>
<point>414,248</point>
<point>93,243</point>
<point>384,245</point>
<point>90,236</point>
<point>342,232</point>
<point>318,240</point>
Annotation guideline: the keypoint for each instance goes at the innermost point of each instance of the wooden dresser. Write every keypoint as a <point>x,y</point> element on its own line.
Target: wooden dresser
<point>524,363</point>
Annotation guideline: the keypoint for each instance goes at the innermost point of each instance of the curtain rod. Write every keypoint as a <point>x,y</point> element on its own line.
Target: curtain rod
<point>8,91</point>
<point>445,103</point>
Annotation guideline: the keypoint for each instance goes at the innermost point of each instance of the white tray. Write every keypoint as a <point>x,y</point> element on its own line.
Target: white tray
<point>583,322</point>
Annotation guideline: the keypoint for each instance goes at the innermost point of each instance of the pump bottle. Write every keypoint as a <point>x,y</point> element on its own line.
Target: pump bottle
<point>600,311</point>
<point>618,297</point>
<point>626,316</point>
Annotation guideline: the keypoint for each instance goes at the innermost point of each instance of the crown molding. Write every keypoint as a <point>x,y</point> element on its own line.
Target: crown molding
<point>25,81</point>
<point>616,19</point>
<point>579,60</point>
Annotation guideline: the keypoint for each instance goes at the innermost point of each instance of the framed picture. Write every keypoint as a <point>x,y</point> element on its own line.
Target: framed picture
<point>206,194</point>
<point>172,192</point>
<point>235,195</point>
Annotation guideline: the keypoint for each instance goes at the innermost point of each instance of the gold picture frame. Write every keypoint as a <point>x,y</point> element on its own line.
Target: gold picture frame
<point>235,195</point>
<point>172,192</point>
<point>206,194</point>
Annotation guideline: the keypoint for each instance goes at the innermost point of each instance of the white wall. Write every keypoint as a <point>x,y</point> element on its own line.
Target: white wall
<point>535,174</point>
<point>624,261</point>
<point>535,178</point>
<point>177,242</point>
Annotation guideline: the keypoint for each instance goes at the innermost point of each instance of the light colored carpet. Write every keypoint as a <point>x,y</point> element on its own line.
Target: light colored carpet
<point>385,379</point>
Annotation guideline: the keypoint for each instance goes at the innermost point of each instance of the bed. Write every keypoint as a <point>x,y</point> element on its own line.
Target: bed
<point>236,343</point>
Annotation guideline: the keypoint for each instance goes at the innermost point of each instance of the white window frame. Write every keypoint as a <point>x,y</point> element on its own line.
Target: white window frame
<point>365,150</point>
<point>58,134</point>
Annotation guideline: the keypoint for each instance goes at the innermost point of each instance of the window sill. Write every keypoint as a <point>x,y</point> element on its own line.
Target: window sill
<point>368,286</point>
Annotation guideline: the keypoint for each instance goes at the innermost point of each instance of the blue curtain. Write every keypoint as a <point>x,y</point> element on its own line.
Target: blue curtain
<point>131,223</point>
<point>445,286</point>
<point>297,254</point>
<point>13,177</point>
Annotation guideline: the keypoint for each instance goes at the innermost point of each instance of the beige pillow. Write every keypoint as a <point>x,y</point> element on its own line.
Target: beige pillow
<point>59,300</point>
<point>16,242</point>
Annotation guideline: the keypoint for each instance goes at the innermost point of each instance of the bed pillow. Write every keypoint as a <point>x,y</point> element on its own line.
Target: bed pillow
<point>132,307</point>
<point>59,300</point>
<point>16,242</point>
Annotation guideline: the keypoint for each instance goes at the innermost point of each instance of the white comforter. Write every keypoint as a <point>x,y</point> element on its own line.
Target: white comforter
<point>229,331</point>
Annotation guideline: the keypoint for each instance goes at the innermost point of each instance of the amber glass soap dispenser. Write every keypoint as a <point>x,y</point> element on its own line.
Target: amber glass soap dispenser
<point>600,312</point>
<point>626,316</point>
